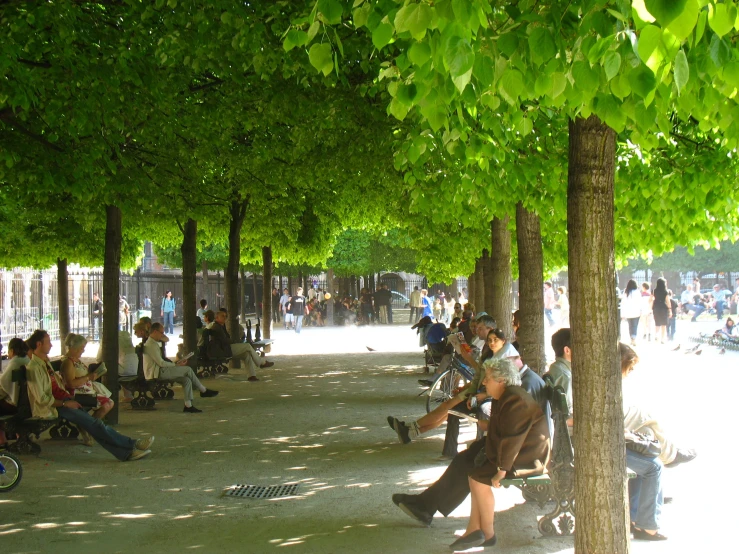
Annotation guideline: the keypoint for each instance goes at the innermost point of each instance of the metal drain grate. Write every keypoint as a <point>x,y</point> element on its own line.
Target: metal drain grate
<point>261,491</point>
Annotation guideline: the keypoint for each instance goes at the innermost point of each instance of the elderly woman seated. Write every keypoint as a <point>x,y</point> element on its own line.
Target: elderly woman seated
<point>79,380</point>
<point>517,445</point>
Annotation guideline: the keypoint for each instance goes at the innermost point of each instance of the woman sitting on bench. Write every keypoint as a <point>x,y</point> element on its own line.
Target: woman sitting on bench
<point>517,445</point>
<point>78,379</point>
<point>17,358</point>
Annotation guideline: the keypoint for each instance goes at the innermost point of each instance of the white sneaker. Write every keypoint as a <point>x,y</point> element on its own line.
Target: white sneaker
<point>138,454</point>
<point>145,444</point>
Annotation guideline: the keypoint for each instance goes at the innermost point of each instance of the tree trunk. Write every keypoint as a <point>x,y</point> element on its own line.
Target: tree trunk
<point>330,301</point>
<point>290,282</point>
<point>530,286</point>
<point>111,293</point>
<point>206,288</point>
<point>189,283</point>
<point>62,291</point>
<point>471,292</point>
<point>259,313</point>
<point>487,280</point>
<point>242,295</point>
<point>500,303</point>
<point>238,212</point>
<point>479,277</point>
<point>266,292</point>
<point>600,467</point>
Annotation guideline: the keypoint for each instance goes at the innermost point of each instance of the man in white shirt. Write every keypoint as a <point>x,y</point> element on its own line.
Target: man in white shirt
<point>156,367</point>
<point>416,305</point>
<point>284,301</point>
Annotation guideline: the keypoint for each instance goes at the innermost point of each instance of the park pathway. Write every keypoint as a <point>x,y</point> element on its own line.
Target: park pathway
<point>318,418</point>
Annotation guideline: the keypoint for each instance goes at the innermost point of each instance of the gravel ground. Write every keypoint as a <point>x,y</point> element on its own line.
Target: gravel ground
<point>318,418</point>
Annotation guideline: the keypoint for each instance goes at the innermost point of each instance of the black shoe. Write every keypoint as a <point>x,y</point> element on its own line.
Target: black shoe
<point>191,410</point>
<point>683,457</point>
<point>492,541</point>
<point>476,538</point>
<point>641,535</point>
<point>408,503</point>
<point>391,422</point>
<point>425,382</point>
<point>402,430</point>
<point>208,393</point>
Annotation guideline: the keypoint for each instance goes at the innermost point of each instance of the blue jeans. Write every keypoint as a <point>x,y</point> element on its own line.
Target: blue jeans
<point>645,490</point>
<point>548,313</point>
<point>110,439</point>
<point>697,309</point>
<point>720,305</point>
<point>298,323</point>
<point>633,326</point>
<point>169,323</point>
<point>671,323</point>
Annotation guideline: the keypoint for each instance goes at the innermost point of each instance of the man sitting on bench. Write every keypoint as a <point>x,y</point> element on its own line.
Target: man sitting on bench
<point>49,399</point>
<point>221,346</point>
<point>156,367</point>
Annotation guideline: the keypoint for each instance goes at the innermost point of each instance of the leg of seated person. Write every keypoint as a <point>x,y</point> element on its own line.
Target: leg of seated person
<point>119,445</point>
<point>242,351</point>
<point>482,513</point>
<point>645,492</point>
<point>185,377</point>
<point>103,410</point>
<point>436,417</point>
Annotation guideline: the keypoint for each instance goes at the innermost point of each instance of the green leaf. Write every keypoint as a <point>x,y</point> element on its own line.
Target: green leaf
<point>719,51</point>
<point>295,38</point>
<point>684,23</point>
<point>508,43</point>
<point>609,110</point>
<point>414,18</point>
<point>462,11</point>
<point>458,56</point>
<point>330,11</point>
<point>484,71</point>
<point>419,53</point>
<point>559,83</point>
<point>541,45</point>
<point>650,39</point>
<point>641,11</point>
<point>731,73</point>
<point>382,35</point>
<point>361,15</point>
<point>511,85</point>
<point>721,18</point>
<point>665,11</point>
<point>525,126</point>
<point>321,57</point>
<point>313,30</point>
<point>642,81</point>
<point>406,93</point>
<point>543,84</point>
<point>611,64</point>
<point>682,70</point>
<point>226,17</point>
<point>462,80</point>
<point>586,78</point>
<point>398,109</point>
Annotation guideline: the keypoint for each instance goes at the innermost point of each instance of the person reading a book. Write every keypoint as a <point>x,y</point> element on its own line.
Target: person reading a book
<point>221,346</point>
<point>79,380</point>
<point>156,367</point>
<point>50,399</point>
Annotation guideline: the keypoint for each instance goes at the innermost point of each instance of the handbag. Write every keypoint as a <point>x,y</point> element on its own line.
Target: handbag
<point>643,444</point>
<point>86,400</point>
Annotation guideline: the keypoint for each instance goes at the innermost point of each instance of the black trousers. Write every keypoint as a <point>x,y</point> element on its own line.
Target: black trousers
<point>452,487</point>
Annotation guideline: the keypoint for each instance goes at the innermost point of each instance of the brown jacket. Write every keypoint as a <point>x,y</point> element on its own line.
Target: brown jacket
<point>518,435</point>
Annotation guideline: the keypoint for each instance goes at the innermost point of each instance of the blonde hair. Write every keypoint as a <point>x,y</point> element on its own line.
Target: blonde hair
<point>74,341</point>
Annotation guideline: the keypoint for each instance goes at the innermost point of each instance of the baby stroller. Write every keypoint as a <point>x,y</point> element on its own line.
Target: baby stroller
<point>436,345</point>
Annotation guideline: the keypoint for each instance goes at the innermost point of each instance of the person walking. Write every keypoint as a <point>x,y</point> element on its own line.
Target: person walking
<point>661,310</point>
<point>298,309</point>
<point>549,302</point>
<point>563,303</point>
<point>631,305</point>
<point>168,312</point>
<point>416,305</point>
<point>97,316</point>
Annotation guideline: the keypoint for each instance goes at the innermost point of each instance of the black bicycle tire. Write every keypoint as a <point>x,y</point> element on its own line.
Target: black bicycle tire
<point>18,465</point>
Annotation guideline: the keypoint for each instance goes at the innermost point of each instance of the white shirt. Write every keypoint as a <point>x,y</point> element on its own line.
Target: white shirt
<point>631,304</point>
<point>153,360</point>
<point>8,389</point>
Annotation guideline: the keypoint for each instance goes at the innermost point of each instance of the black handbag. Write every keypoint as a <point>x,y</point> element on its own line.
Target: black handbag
<point>643,444</point>
<point>87,401</point>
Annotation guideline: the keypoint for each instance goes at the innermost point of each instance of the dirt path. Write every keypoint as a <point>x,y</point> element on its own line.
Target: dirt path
<point>318,420</point>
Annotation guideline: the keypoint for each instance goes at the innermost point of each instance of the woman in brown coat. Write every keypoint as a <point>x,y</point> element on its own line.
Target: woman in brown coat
<point>517,446</point>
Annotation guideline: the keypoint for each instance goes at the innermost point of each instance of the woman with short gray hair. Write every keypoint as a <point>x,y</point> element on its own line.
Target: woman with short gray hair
<point>517,445</point>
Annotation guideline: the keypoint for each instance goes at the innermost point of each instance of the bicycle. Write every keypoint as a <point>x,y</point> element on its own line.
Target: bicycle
<point>11,471</point>
<point>448,382</point>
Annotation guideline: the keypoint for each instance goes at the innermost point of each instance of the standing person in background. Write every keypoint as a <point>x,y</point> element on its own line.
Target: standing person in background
<point>696,285</point>
<point>202,310</point>
<point>416,305</point>
<point>719,296</point>
<point>661,309</point>
<point>168,312</point>
<point>563,303</point>
<point>298,309</point>
<point>123,311</point>
<point>275,305</point>
<point>147,302</point>
<point>647,321</point>
<point>441,297</point>
<point>549,302</point>
<point>311,293</point>
<point>426,302</point>
<point>97,316</point>
<point>631,305</point>
<point>672,321</point>
<point>284,301</point>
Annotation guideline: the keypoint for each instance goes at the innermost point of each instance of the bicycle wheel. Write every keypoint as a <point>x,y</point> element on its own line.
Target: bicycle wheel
<point>443,388</point>
<point>11,471</point>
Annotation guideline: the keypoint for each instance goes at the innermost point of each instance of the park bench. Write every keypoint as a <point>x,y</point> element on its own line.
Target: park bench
<point>718,341</point>
<point>558,485</point>
<point>22,423</point>
<point>207,367</point>
<point>146,392</point>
